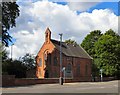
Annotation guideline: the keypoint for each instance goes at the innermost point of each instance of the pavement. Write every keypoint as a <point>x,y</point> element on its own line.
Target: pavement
<point>78,87</point>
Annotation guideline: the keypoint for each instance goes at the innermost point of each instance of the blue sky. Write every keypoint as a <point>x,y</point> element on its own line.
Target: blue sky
<point>74,20</point>
<point>113,6</point>
<point>102,5</point>
<point>109,5</point>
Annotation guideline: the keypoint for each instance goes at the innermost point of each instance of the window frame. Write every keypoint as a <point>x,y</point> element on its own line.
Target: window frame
<point>78,70</point>
<point>69,68</point>
<point>40,62</point>
<point>86,69</point>
<point>55,61</point>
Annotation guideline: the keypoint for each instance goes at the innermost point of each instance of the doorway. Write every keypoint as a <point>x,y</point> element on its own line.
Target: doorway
<point>46,74</point>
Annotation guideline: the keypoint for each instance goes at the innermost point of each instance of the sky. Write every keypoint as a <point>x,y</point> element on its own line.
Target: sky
<point>74,19</point>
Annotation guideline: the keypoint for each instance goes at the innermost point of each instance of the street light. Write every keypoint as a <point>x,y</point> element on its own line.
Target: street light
<point>11,50</point>
<point>63,69</point>
<point>61,79</point>
<point>101,70</point>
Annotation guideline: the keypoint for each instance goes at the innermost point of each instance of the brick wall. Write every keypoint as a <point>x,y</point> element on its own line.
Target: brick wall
<point>31,73</point>
<point>74,61</point>
<point>54,70</point>
<point>19,82</point>
<point>10,80</point>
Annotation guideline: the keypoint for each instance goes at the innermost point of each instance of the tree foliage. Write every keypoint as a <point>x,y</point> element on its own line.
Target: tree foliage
<point>17,67</point>
<point>0,22</point>
<point>10,12</point>
<point>107,50</point>
<point>69,41</point>
<point>29,61</point>
<point>14,68</point>
<point>4,55</point>
<point>90,39</point>
<point>88,45</point>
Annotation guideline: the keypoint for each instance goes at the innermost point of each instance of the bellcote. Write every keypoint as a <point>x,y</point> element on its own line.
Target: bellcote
<point>47,35</point>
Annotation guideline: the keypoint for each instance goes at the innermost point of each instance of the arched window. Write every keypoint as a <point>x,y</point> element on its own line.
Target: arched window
<point>40,62</point>
<point>46,74</point>
<point>86,69</point>
<point>68,68</point>
<point>46,37</point>
<point>49,58</point>
<point>78,69</point>
<point>45,58</point>
<point>55,61</point>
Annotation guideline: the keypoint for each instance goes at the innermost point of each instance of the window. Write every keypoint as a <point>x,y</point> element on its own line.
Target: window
<point>86,69</point>
<point>46,74</point>
<point>40,62</point>
<point>49,58</point>
<point>45,58</point>
<point>72,61</point>
<point>68,71</point>
<point>78,69</point>
<point>46,37</point>
<point>69,68</point>
<point>55,61</point>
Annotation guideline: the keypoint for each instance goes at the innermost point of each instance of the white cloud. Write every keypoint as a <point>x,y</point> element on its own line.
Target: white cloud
<point>35,17</point>
<point>81,6</point>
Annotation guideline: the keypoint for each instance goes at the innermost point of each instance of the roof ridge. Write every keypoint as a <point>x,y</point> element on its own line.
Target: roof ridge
<point>57,40</point>
<point>70,50</point>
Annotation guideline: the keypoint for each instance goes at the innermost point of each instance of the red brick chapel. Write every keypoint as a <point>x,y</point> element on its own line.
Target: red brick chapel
<point>75,59</point>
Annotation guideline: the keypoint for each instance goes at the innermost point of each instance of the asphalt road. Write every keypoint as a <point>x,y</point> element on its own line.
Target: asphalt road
<point>81,87</point>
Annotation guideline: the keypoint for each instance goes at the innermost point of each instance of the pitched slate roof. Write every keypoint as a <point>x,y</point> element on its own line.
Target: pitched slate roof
<point>71,49</point>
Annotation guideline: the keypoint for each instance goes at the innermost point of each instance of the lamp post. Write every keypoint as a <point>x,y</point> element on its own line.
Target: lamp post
<point>11,50</point>
<point>61,79</point>
<point>64,73</point>
<point>101,70</point>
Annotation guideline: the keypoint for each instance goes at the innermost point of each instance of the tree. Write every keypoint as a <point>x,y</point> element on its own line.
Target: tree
<point>4,55</point>
<point>10,12</point>
<point>107,50</point>
<point>1,49</point>
<point>90,39</point>
<point>14,68</point>
<point>69,41</point>
<point>88,45</point>
<point>0,23</point>
<point>111,33</point>
<point>29,61</point>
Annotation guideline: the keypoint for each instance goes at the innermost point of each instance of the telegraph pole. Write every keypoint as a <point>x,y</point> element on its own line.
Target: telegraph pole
<point>11,50</point>
<point>61,78</point>
<point>101,70</point>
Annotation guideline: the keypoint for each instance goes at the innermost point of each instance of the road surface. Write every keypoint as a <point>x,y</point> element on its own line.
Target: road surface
<point>80,87</point>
